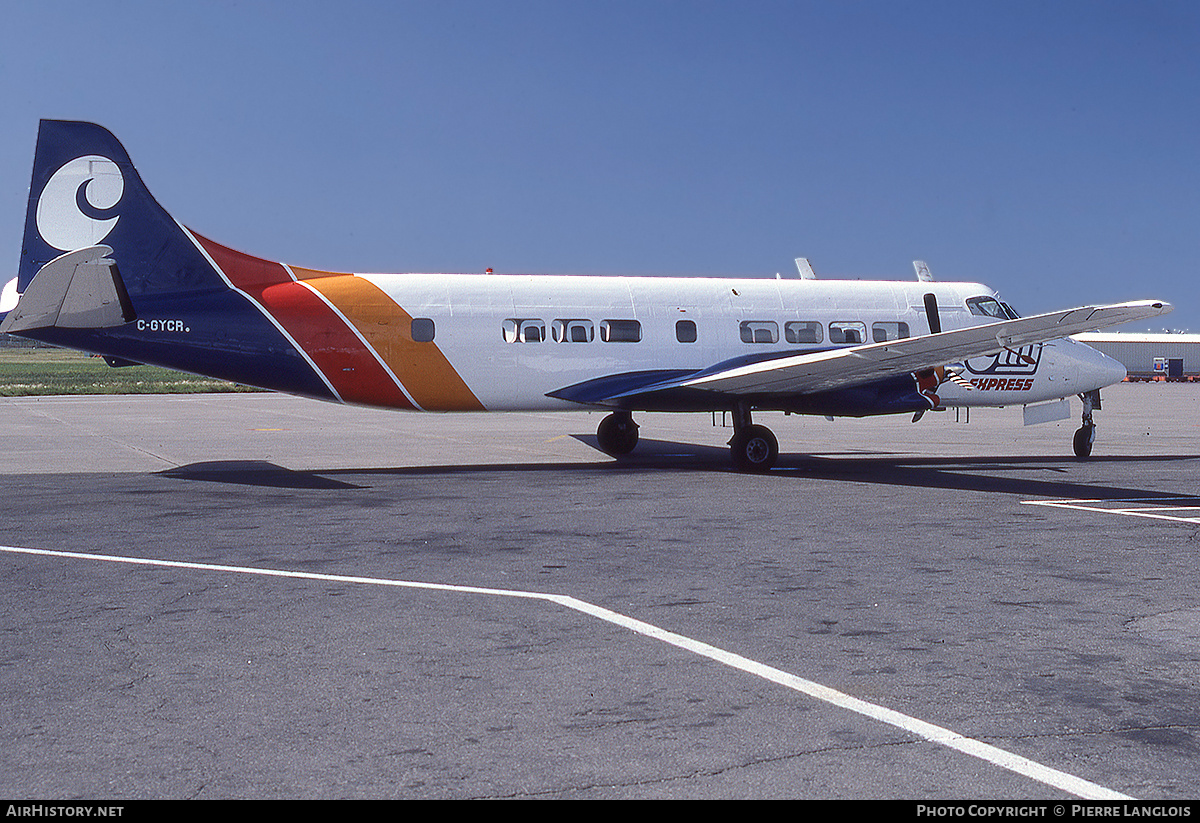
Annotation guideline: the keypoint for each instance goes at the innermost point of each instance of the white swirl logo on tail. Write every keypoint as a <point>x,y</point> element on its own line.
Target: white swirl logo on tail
<point>77,206</point>
<point>9,296</point>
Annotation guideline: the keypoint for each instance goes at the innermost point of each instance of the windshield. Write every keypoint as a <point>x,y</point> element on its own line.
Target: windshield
<point>991,307</point>
<point>988,306</point>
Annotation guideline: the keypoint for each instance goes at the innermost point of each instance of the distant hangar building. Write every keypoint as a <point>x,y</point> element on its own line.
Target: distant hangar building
<point>1150,356</point>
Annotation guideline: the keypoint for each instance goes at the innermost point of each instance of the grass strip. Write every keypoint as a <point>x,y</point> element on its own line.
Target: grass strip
<point>39,371</point>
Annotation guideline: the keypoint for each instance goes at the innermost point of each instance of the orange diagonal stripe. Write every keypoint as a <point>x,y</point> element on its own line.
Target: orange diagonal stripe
<point>420,367</point>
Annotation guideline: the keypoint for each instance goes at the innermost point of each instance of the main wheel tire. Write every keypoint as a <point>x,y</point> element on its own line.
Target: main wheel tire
<point>755,449</point>
<point>1082,443</point>
<point>617,434</point>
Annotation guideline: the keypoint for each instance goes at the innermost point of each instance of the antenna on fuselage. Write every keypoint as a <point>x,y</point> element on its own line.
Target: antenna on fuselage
<point>805,268</point>
<point>923,272</point>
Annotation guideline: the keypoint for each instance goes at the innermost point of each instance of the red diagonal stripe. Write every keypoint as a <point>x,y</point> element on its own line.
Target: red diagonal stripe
<point>336,350</point>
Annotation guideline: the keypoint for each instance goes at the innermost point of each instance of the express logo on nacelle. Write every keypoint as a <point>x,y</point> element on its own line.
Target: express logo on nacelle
<point>1002,383</point>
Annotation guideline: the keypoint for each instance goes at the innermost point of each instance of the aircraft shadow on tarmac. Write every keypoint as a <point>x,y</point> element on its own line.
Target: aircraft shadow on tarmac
<point>981,474</point>
<point>991,474</point>
<point>255,473</point>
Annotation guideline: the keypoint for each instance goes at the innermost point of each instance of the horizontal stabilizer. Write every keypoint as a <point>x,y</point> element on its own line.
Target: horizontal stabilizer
<point>81,289</point>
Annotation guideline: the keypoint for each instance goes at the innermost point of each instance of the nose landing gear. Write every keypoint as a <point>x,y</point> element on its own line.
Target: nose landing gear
<point>1086,434</point>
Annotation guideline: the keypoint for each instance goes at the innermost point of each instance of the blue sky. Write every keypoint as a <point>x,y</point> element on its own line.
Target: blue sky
<point>1048,149</point>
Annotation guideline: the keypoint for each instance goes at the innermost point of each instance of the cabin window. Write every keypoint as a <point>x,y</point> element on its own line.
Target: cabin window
<point>803,331</point>
<point>987,307</point>
<point>848,332</point>
<point>883,332</point>
<point>573,331</point>
<point>524,330</point>
<point>685,331</point>
<point>620,331</point>
<point>422,330</point>
<point>759,331</point>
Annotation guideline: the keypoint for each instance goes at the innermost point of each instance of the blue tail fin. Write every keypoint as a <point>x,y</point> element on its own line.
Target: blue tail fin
<point>175,307</point>
<point>85,191</point>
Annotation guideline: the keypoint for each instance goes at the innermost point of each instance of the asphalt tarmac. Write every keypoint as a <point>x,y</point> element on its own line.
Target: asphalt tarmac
<point>255,596</point>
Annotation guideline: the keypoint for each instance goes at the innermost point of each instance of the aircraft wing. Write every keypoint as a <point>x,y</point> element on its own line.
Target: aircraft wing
<point>839,368</point>
<point>858,365</point>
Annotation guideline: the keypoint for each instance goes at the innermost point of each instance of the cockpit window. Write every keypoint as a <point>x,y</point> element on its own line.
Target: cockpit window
<point>1010,311</point>
<point>987,307</point>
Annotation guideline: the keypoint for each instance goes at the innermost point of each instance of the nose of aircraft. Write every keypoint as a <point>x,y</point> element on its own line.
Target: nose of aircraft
<point>1096,369</point>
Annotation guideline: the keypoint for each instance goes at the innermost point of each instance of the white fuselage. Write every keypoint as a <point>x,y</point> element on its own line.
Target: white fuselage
<point>515,338</point>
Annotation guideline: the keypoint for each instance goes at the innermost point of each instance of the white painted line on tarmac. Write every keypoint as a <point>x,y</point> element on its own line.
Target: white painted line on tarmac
<point>1129,507</point>
<point>928,731</point>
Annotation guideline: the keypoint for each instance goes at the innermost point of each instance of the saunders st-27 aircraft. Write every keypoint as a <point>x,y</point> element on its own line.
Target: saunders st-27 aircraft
<point>105,269</point>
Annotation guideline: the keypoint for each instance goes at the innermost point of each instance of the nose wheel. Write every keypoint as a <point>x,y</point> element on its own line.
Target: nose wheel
<point>1085,435</point>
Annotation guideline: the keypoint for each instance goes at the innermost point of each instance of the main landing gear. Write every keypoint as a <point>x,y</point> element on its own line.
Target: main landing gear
<point>1086,434</point>
<point>617,433</point>
<point>754,448</point>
